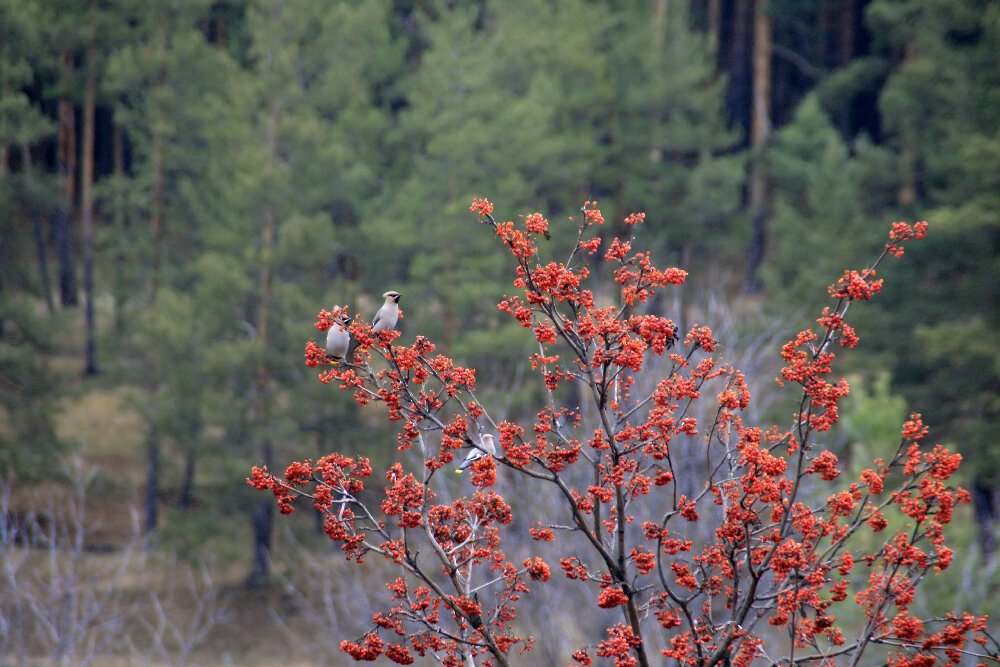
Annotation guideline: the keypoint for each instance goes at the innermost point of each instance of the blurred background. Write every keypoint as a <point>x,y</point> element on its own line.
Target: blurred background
<point>184,184</point>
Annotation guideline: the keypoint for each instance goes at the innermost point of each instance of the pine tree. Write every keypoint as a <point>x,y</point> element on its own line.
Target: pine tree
<point>940,112</point>
<point>671,150</point>
<point>27,386</point>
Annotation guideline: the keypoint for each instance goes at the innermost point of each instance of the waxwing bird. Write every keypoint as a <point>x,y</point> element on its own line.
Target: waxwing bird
<point>488,449</point>
<point>387,316</point>
<point>338,338</point>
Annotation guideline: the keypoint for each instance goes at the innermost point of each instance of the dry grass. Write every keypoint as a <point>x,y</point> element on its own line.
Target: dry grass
<point>104,424</point>
<point>151,609</point>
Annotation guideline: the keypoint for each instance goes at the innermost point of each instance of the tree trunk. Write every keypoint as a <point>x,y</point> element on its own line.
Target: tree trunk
<point>190,460</point>
<point>262,520</point>
<point>87,198</point>
<point>263,512</point>
<point>984,504</point>
<point>760,129</point>
<point>3,261</point>
<point>121,225</point>
<point>735,53</point>
<point>67,171</point>
<point>845,40</point>
<point>659,22</point>
<point>65,257</point>
<point>907,193</point>
<point>713,26</point>
<point>36,221</point>
<point>152,495</point>
<point>156,220</point>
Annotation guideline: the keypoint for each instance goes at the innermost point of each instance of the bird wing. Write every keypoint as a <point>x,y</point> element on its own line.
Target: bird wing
<point>378,317</point>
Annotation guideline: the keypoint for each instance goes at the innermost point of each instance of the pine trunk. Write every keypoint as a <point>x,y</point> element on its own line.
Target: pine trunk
<point>121,223</point>
<point>87,200</point>
<point>190,465</point>
<point>36,222</point>
<point>760,128</point>
<point>263,513</point>
<point>907,194</point>
<point>846,38</point>
<point>156,218</point>
<point>156,221</point>
<point>67,172</point>
<point>736,54</point>
<point>152,495</point>
<point>713,26</point>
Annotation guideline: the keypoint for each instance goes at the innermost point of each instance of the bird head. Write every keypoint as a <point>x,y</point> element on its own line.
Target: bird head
<point>392,296</point>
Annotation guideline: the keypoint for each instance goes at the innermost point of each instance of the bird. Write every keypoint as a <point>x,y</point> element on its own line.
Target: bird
<point>338,338</point>
<point>487,449</point>
<point>387,316</point>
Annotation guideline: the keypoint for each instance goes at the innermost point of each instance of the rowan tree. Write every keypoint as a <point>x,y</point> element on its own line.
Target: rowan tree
<point>785,561</point>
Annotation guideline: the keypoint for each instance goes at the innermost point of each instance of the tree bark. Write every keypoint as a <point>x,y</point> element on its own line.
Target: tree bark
<point>760,129</point>
<point>984,504</point>
<point>736,54</point>
<point>121,224</point>
<point>713,26</point>
<point>845,41</point>
<point>263,512</point>
<point>152,495</point>
<point>67,172</point>
<point>156,221</point>
<point>190,465</point>
<point>262,520</point>
<point>36,221</point>
<point>87,197</point>
<point>907,193</point>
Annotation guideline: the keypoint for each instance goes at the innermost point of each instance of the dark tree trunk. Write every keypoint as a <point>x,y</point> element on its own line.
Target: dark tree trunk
<point>152,480</point>
<point>263,511</point>
<point>65,258</point>
<point>760,129</point>
<point>67,171</point>
<point>262,520</point>
<point>121,227</point>
<point>190,460</point>
<point>845,33</point>
<point>156,220</point>
<point>713,26</point>
<point>984,504</point>
<point>37,228</point>
<point>43,258</point>
<point>735,58</point>
<point>3,262</point>
<point>907,193</point>
<point>87,200</point>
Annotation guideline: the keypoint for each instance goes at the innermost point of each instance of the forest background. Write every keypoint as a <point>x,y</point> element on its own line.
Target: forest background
<point>184,184</point>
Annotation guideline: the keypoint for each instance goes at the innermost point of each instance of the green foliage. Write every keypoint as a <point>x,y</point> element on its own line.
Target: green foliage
<point>944,88</point>
<point>819,205</point>
<point>872,418</point>
<point>28,441</point>
<point>672,152</point>
<point>505,100</point>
